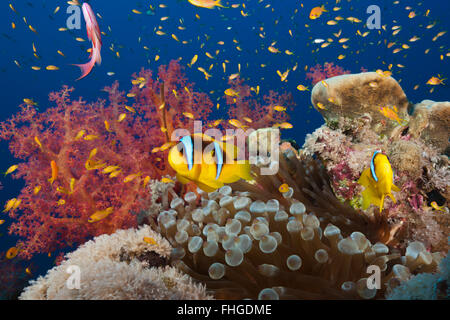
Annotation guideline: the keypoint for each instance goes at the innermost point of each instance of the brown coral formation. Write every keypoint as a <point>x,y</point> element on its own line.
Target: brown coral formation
<point>431,122</point>
<point>121,266</point>
<point>353,95</point>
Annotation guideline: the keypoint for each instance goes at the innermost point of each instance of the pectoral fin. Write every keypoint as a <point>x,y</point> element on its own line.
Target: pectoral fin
<point>395,188</point>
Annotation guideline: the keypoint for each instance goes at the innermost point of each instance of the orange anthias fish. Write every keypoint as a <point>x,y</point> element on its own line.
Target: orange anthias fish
<point>93,32</point>
<point>390,114</point>
<point>317,12</point>
<point>54,172</point>
<point>209,4</point>
<point>434,81</point>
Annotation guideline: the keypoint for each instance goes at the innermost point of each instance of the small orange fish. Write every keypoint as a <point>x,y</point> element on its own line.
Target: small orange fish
<point>284,188</point>
<point>54,172</point>
<point>435,206</point>
<point>150,240</point>
<point>390,114</point>
<point>317,12</point>
<point>100,215</point>
<point>434,81</point>
<point>12,253</point>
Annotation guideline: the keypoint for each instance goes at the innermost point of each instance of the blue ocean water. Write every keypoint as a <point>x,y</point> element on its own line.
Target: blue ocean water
<point>128,33</point>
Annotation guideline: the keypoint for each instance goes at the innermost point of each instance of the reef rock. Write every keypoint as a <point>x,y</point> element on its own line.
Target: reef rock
<point>356,95</point>
<point>431,122</point>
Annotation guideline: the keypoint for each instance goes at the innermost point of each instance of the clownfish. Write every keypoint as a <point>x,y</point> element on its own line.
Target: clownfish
<point>209,167</point>
<point>316,12</point>
<point>378,180</point>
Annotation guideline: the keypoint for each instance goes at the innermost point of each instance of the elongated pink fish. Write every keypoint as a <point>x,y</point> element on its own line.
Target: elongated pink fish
<point>93,33</point>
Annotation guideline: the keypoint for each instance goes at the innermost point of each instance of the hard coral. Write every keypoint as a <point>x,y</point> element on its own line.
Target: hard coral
<point>353,95</point>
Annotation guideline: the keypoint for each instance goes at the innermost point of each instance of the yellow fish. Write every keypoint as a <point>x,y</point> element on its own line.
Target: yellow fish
<point>231,93</point>
<point>209,167</point>
<point>435,206</point>
<point>9,204</point>
<point>279,108</point>
<point>317,12</point>
<point>101,214</point>
<point>150,240</point>
<point>12,253</point>
<point>301,87</point>
<point>378,180</point>
<point>283,188</point>
<point>391,114</point>
<point>11,169</point>
<point>54,171</point>
<point>209,4</point>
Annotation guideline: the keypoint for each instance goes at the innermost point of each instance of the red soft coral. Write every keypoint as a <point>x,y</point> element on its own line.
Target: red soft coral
<point>45,223</point>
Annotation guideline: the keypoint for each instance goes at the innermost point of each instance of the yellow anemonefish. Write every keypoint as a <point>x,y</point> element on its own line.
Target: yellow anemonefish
<point>378,180</point>
<point>317,12</point>
<point>212,168</point>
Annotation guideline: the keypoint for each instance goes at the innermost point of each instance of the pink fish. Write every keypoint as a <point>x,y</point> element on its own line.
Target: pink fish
<point>93,33</point>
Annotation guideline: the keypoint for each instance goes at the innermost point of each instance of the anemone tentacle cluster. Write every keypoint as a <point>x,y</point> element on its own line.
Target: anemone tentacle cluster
<point>249,241</point>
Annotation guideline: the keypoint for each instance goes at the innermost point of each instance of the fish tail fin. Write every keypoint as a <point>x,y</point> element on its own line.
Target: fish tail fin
<point>85,68</point>
<point>382,203</point>
<point>219,4</point>
<point>323,8</point>
<point>392,197</point>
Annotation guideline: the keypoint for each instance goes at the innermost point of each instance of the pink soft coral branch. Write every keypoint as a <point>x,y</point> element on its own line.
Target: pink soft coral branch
<point>328,70</point>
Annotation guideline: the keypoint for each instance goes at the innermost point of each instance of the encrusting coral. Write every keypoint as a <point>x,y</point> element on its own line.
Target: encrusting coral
<point>118,266</point>
<point>248,240</point>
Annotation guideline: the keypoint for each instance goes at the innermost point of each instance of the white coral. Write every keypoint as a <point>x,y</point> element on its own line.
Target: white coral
<point>104,276</point>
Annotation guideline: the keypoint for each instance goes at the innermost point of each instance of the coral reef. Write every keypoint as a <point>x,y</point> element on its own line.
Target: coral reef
<point>354,95</point>
<point>357,125</point>
<point>425,286</point>
<point>430,121</point>
<point>103,154</point>
<point>328,70</point>
<point>120,266</point>
<point>248,240</point>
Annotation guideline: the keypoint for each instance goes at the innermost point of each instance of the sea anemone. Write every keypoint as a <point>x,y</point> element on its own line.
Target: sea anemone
<point>248,240</point>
